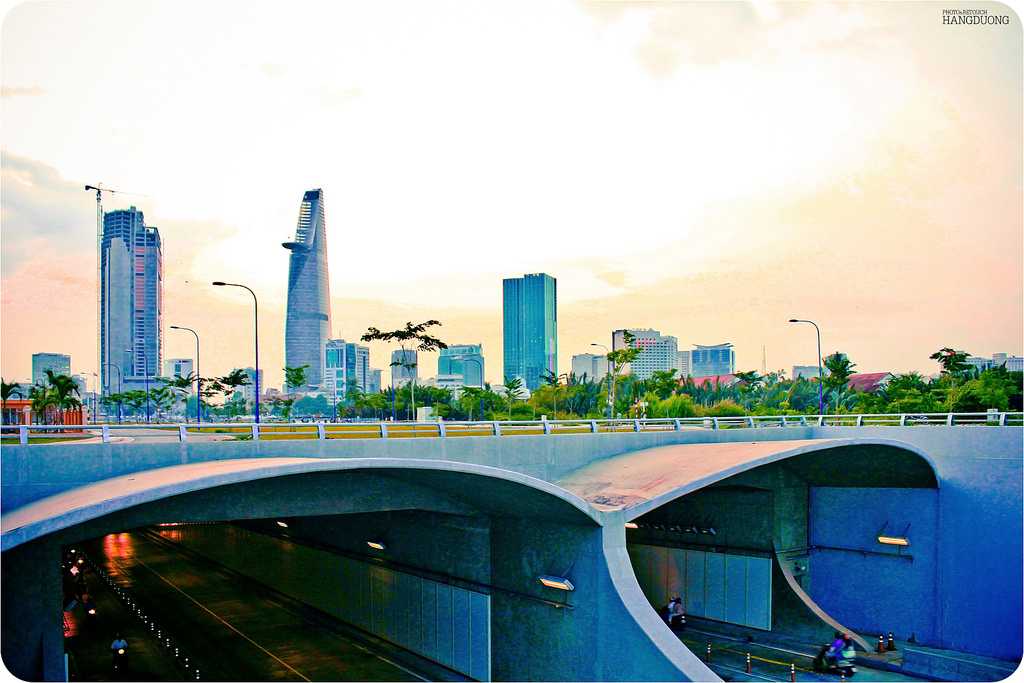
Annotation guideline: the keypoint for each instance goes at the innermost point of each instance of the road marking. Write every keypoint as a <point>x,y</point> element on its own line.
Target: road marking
<point>218,618</point>
<point>358,645</point>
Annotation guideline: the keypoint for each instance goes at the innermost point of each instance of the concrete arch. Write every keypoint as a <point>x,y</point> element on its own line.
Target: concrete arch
<point>643,480</point>
<point>110,496</point>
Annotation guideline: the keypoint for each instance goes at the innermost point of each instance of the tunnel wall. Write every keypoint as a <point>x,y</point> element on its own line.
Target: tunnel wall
<point>445,623</point>
<point>31,626</point>
<point>980,558</point>
<point>454,545</point>
<point>894,593</point>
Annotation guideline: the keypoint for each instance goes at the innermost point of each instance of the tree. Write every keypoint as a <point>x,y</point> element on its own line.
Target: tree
<point>295,378</point>
<point>513,391</point>
<point>953,362</point>
<point>7,390</point>
<point>839,370</point>
<point>42,399</point>
<point>617,360</point>
<point>181,387</point>
<point>663,383</point>
<point>416,338</point>
<point>65,392</point>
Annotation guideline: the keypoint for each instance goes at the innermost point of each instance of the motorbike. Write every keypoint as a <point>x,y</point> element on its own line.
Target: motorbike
<point>842,665</point>
<point>119,660</point>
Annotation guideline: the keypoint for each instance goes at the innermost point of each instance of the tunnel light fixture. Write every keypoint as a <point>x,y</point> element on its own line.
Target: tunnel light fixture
<point>893,540</point>
<point>376,545</point>
<point>559,582</point>
<point>283,525</point>
<point>632,525</point>
<point>710,531</point>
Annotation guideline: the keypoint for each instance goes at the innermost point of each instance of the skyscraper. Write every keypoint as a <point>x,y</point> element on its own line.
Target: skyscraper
<point>59,363</point>
<point>464,360</point>
<point>345,362</point>
<point>594,366</point>
<point>308,320</point>
<point>530,327</point>
<point>718,359</point>
<point>404,367</point>
<point>131,301</point>
<point>658,352</point>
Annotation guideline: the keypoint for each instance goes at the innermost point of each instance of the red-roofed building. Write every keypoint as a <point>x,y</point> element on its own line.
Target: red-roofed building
<point>720,380</point>
<point>868,381</point>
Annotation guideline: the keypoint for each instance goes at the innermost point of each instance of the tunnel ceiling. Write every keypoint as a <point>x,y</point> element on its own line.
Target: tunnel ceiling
<point>639,481</point>
<point>238,489</point>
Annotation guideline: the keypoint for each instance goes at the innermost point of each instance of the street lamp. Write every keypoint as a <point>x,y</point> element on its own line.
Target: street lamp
<point>820,374</point>
<point>256,328</point>
<point>195,370</point>
<point>120,388</point>
<point>608,374</point>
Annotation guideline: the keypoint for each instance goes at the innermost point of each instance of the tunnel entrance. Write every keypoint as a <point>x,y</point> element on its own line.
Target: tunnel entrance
<point>184,614</point>
<point>792,548</point>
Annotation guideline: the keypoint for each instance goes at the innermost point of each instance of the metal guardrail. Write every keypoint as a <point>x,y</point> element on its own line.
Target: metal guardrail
<point>26,434</point>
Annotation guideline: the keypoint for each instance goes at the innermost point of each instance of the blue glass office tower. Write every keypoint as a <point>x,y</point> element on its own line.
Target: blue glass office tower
<point>308,320</point>
<point>530,327</point>
<point>131,301</point>
<point>719,359</point>
<point>466,360</point>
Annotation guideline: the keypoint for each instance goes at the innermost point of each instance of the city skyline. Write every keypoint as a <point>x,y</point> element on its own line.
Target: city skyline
<point>849,226</point>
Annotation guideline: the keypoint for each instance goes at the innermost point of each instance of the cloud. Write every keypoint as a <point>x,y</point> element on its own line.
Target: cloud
<point>42,210</point>
<point>30,91</point>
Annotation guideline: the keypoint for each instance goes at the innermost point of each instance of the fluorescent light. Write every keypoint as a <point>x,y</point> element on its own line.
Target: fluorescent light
<point>282,524</point>
<point>632,525</point>
<point>559,582</point>
<point>376,545</point>
<point>893,540</point>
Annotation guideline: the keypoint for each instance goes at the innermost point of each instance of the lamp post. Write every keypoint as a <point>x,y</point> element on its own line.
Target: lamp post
<point>199,398</point>
<point>481,366</point>
<point>256,328</point>
<point>820,374</point>
<point>608,374</point>
<point>95,397</point>
<point>119,388</point>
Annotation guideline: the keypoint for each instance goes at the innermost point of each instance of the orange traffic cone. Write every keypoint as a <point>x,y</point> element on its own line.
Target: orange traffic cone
<point>891,645</point>
<point>792,673</point>
<point>881,644</point>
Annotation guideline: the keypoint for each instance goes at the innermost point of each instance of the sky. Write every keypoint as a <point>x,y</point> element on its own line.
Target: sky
<point>706,169</point>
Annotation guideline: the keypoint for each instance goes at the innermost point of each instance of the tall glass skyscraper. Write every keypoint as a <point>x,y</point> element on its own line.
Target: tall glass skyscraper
<point>308,320</point>
<point>530,327</point>
<point>131,301</point>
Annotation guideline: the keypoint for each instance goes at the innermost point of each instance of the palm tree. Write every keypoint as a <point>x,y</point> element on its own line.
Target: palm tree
<point>414,336</point>
<point>617,361</point>
<point>42,399</point>
<point>513,390</point>
<point>7,390</point>
<point>65,392</point>
<point>953,362</point>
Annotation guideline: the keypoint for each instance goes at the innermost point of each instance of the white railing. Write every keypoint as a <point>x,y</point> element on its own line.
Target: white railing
<point>27,434</point>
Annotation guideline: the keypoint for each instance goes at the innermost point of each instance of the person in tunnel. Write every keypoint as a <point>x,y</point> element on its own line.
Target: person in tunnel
<point>674,615</point>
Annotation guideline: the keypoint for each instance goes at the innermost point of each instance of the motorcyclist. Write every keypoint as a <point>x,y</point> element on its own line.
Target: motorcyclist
<point>835,650</point>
